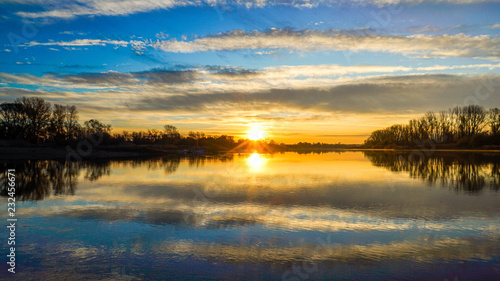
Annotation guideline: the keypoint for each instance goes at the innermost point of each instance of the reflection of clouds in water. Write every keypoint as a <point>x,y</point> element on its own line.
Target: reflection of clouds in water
<point>294,218</point>
<point>422,248</point>
<point>198,191</point>
<point>188,209</point>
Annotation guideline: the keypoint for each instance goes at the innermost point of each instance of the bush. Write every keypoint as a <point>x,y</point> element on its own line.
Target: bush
<point>464,142</point>
<point>479,140</point>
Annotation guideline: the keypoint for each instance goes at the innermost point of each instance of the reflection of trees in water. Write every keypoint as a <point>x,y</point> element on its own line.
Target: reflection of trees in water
<point>36,180</point>
<point>170,163</point>
<point>96,170</point>
<point>495,173</point>
<point>197,161</point>
<point>469,172</point>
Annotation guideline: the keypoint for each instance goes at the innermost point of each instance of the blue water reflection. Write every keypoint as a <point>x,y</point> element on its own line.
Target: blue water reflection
<point>341,216</point>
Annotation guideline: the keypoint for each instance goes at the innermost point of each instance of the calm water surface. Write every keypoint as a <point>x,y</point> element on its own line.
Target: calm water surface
<point>330,216</point>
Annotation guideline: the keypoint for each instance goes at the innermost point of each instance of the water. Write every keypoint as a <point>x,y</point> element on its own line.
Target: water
<point>330,216</point>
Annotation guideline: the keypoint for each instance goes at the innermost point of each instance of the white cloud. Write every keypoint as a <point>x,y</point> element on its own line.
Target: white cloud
<point>72,33</point>
<point>80,42</point>
<point>333,40</point>
<point>64,9</point>
<point>265,53</point>
<point>424,46</point>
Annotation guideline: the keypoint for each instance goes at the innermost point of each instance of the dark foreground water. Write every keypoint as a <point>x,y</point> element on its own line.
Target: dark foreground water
<point>331,216</point>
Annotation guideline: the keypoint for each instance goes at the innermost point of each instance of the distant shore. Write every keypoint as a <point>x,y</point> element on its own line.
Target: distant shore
<point>120,152</point>
<point>426,150</point>
<point>64,153</point>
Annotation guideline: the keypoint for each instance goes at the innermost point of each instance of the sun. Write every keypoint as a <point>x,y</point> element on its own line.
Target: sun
<point>255,134</point>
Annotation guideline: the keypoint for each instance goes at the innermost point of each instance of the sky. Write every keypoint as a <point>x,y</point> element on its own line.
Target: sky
<point>301,70</point>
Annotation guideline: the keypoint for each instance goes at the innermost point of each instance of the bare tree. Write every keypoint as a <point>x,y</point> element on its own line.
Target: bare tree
<point>71,124</point>
<point>494,120</point>
<point>57,122</point>
<point>471,119</point>
<point>38,112</point>
<point>445,127</point>
<point>13,122</point>
<point>171,131</point>
<point>64,125</point>
<point>432,125</point>
<point>96,129</point>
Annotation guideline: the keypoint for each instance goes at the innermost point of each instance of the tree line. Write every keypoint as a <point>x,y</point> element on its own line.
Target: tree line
<point>171,137</point>
<point>467,126</point>
<point>35,120</point>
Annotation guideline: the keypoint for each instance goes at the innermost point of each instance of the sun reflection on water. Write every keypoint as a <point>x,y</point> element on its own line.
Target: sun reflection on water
<point>256,161</point>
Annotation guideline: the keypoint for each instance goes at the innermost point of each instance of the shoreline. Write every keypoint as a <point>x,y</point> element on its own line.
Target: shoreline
<point>426,150</point>
<point>63,153</point>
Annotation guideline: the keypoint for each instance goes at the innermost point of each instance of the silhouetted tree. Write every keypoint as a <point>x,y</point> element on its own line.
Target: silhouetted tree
<point>14,121</point>
<point>71,124</point>
<point>462,125</point>
<point>494,120</point>
<point>38,112</point>
<point>57,123</point>
<point>470,119</point>
<point>171,134</point>
<point>97,130</point>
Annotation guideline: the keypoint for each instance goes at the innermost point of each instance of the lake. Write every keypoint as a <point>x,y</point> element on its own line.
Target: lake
<point>361,215</point>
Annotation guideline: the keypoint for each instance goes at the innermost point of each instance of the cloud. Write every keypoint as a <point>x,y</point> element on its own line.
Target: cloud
<point>426,29</point>
<point>8,93</point>
<point>211,79</point>
<point>281,94</point>
<point>265,53</point>
<point>397,94</point>
<point>70,9</point>
<point>426,46</point>
<point>82,42</point>
<point>72,33</point>
<point>459,45</point>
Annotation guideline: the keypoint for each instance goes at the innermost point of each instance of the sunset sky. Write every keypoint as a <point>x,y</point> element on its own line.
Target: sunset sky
<point>303,70</point>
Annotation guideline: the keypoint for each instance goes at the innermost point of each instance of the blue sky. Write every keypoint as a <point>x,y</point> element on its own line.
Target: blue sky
<point>322,70</point>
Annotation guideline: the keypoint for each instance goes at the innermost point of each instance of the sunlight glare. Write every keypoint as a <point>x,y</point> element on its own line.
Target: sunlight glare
<point>256,161</point>
<point>255,133</point>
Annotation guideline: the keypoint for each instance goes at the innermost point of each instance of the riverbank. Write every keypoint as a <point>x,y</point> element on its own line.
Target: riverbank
<point>133,151</point>
<point>474,150</point>
<point>74,154</point>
